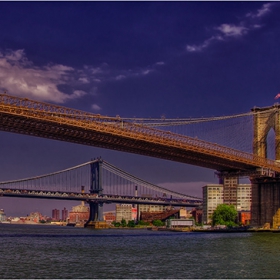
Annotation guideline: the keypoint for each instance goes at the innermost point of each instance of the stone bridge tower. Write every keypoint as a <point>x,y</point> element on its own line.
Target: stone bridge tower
<point>266,189</point>
<point>265,119</point>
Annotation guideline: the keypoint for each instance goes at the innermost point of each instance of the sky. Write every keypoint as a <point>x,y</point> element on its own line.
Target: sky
<point>132,59</point>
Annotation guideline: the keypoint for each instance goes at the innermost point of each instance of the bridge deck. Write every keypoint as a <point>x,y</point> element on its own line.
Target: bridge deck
<point>39,119</point>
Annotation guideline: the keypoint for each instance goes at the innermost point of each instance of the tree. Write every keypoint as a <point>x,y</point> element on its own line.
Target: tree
<point>224,215</point>
<point>131,223</point>
<point>158,223</point>
<point>123,223</point>
<point>142,223</point>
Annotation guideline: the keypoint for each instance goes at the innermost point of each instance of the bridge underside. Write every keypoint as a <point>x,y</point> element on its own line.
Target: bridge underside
<point>265,202</point>
<point>103,138</point>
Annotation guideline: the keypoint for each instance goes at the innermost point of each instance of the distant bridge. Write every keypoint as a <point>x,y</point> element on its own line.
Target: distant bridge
<point>96,181</point>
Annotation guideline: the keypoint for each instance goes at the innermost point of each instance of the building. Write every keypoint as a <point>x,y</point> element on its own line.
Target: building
<point>244,217</point>
<point>64,214</point>
<point>169,213</point>
<point>79,214</point>
<point>229,192</point>
<point>151,208</point>
<point>126,212</point>
<point>197,214</point>
<point>109,217</point>
<point>2,215</point>
<point>55,214</point>
<point>179,223</point>
<point>244,197</point>
<point>213,195</point>
<point>34,217</point>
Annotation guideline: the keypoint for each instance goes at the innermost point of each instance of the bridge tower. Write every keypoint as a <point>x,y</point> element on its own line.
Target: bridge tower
<point>95,208</point>
<point>265,189</point>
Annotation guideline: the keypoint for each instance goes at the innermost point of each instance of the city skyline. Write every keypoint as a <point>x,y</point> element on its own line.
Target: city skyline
<point>133,59</point>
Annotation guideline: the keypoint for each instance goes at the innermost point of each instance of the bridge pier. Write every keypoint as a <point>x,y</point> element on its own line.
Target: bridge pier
<point>265,202</point>
<point>96,216</point>
<point>95,208</point>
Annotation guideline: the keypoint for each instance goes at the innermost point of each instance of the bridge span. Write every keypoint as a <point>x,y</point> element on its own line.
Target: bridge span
<point>96,182</point>
<point>24,116</point>
<point>101,198</point>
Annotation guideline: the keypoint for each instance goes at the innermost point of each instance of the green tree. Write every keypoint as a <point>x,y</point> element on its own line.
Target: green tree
<point>142,223</point>
<point>224,215</point>
<point>158,223</point>
<point>131,223</point>
<point>123,223</point>
<point>116,224</point>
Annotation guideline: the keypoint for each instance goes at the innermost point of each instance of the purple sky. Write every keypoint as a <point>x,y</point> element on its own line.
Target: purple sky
<point>133,59</point>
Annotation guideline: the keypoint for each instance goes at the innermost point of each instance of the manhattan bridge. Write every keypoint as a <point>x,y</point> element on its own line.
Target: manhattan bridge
<point>240,145</point>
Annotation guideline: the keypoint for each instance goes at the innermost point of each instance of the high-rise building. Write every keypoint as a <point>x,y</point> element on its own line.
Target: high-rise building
<point>244,197</point>
<point>213,195</point>
<point>55,214</point>
<point>228,192</point>
<point>64,214</point>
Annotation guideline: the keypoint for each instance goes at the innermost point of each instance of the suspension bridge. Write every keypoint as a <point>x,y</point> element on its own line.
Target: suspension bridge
<point>232,145</point>
<point>96,181</point>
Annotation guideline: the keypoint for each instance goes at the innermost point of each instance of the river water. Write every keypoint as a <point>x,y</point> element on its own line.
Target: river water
<point>54,252</point>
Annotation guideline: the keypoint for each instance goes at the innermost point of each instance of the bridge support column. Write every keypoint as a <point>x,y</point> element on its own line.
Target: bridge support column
<point>265,202</point>
<point>95,208</point>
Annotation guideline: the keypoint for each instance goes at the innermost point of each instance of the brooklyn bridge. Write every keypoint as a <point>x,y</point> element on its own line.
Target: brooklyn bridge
<point>233,146</point>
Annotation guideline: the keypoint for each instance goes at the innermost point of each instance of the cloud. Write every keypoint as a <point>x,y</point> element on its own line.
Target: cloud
<point>232,30</point>
<point>120,77</point>
<point>18,76</point>
<point>95,107</point>
<point>227,30</point>
<point>266,8</point>
<point>126,74</point>
<point>205,44</point>
<point>56,82</point>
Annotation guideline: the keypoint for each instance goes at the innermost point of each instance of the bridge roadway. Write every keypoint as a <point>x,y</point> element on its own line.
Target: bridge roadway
<point>104,198</point>
<point>45,120</point>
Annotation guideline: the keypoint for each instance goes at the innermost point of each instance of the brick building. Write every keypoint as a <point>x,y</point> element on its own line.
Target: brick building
<point>79,214</point>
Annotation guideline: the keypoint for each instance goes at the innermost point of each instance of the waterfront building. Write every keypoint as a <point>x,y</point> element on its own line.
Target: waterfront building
<point>229,192</point>
<point>244,217</point>
<point>212,196</point>
<point>197,214</point>
<point>151,208</point>
<point>109,217</point>
<point>64,214</point>
<point>126,212</point>
<point>55,214</point>
<point>244,197</point>
<point>183,213</point>
<point>2,215</point>
<point>34,217</point>
<point>161,215</point>
<point>79,214</point>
